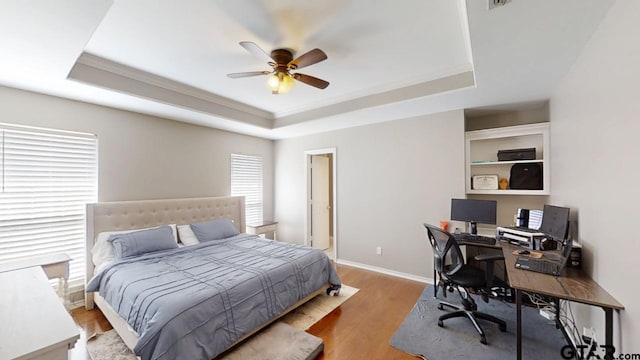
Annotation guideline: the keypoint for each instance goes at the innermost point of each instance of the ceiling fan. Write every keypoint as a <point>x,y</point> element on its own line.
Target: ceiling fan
<point>281,60</point>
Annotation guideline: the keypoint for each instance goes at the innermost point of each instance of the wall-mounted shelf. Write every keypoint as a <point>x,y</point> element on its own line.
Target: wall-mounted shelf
<point>485,163</point>
<point>482,154</point>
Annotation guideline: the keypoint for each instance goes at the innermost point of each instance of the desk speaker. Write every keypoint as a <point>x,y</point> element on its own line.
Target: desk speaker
<point>575,259</point>
<point>544,244</point>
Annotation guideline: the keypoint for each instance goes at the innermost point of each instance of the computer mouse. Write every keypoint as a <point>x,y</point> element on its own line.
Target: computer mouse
<point>523,252</point>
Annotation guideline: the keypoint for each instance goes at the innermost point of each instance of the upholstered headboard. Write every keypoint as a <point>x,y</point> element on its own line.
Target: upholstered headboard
<point>125,215</point>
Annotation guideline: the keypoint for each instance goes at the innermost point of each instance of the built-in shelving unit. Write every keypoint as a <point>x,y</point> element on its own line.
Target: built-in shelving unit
<point>482,154</point>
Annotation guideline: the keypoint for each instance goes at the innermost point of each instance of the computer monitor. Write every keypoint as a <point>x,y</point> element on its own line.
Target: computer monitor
<point>473,212</point>
<point>555,222</point>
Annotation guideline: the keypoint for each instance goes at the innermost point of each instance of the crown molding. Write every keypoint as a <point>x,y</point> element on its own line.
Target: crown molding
<point>441,85</point>
<point>384,88</point>
<point>95,70</point>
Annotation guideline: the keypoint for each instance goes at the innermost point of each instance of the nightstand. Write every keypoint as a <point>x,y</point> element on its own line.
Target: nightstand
<point>267,226</point>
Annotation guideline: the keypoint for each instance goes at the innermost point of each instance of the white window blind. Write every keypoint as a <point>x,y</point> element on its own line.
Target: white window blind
<point>47,178</point>
<point>246,180</point>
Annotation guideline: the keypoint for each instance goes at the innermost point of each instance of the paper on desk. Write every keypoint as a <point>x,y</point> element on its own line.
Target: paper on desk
<point>532,254</point>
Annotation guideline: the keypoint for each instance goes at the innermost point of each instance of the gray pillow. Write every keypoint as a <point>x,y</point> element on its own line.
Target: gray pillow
<point>217,229</point>
<point>142,242</point>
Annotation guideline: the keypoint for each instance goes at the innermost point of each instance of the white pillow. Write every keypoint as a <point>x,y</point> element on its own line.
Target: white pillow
<point>103,250</point>
<point>186,235</point>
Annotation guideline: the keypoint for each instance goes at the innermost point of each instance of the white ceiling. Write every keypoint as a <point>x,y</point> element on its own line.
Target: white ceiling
<point>387,60</point>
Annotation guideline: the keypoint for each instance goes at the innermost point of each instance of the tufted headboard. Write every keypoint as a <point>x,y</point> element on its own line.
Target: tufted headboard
<point>125,215</point>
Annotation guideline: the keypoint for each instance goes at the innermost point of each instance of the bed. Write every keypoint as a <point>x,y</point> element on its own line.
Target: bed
<point>199,300</point>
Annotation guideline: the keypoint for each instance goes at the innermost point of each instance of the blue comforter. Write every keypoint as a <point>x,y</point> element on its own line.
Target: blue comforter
<point>196,301</point>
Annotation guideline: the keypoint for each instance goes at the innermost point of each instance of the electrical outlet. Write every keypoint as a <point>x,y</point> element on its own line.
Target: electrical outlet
<point>492,4</point>
<point>588,331</point>
<point>379,250</point>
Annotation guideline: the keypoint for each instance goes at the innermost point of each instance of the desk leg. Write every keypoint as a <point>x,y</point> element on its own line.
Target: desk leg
<point>558,323</point>
<point>608,332</point>
<point>518,324</point>
<point>435,284</point>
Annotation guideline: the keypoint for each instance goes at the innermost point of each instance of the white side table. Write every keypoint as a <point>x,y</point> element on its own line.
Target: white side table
<point>55,266</point>
<point>267,226</point>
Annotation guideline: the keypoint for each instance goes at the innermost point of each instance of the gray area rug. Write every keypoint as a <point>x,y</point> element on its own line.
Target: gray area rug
<point>421,336</point>
<point>284,340</point>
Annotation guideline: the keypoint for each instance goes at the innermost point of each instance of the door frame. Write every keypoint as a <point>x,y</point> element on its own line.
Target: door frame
<point>307,181</point>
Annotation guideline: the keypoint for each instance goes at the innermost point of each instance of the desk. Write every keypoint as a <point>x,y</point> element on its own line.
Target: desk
<point>574,286</point>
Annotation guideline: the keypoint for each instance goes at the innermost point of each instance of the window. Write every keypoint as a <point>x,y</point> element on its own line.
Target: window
<point>246,180</point>
<point>46,179</point>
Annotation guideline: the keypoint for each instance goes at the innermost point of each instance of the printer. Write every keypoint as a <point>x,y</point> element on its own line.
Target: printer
<point>526,232</point>
<point>523,236</point>
<point>519,235</point>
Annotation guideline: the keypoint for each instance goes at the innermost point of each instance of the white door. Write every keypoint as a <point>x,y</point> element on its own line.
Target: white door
<point>319,202</point>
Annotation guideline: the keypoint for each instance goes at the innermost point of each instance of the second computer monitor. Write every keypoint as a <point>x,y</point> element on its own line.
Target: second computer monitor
<point>473,212</point>
<point>555,222</point>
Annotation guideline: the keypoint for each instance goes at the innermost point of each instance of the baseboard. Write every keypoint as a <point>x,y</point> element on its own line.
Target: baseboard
<point>386,271</point>
<point>75,305</point>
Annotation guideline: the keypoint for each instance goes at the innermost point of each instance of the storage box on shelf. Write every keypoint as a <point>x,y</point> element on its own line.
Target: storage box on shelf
<point>482,148</point>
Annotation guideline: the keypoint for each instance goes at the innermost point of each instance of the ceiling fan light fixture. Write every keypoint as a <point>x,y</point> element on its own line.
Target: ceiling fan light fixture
<point>280,82</point>
<point>273,82</point>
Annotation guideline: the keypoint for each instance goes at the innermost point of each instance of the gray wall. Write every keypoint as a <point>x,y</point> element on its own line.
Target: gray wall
<point>531,114</point>
<point>391,177</point>
<point>144,157</point>
<point>595,161</point>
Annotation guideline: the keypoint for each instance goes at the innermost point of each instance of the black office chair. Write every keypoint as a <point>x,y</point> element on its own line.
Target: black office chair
<point>453,273</point>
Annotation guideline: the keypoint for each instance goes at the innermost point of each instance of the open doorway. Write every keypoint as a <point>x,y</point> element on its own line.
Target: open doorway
<point>320,224</point>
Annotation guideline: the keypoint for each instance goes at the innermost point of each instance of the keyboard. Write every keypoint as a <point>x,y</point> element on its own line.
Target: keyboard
<point>475,239</point>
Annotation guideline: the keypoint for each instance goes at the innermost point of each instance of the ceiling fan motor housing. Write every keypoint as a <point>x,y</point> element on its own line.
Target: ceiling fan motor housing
<point>282,57</point>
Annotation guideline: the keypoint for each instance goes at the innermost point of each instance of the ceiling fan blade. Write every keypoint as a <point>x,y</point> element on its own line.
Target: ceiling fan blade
<point>308,58</point>
<point>247,74</point>
<point>310,80</point>
<point>256,51</point>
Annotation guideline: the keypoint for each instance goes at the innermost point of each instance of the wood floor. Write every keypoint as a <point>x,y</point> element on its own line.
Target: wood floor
<point>90,322</point>
<point>361,328</point>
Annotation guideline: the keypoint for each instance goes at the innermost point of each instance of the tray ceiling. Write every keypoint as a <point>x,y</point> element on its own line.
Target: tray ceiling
<point>385,62</point>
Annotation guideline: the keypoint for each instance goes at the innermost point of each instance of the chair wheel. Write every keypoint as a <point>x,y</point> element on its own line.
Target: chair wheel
<point>503,328</point>
<point>483,340</point>
<point>440,323</point>
<point>440,307</point>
